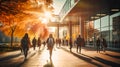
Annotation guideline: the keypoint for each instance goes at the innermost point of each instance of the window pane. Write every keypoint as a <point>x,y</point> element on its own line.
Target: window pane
<point>104,21</point>
<point>104,29</point>
<point>97,23</point>
<point>105,34</point>
<point>112,16</point>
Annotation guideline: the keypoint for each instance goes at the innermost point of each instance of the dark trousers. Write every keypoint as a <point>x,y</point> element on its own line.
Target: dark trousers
<point>25,50</point>
<point>71,47</point>
<point>78,48</point>
<point>98,49</point>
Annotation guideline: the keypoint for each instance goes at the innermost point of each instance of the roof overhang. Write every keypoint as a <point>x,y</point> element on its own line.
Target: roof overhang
<point>88,8</point>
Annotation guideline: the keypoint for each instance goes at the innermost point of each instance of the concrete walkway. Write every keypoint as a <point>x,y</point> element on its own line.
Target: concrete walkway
<point>110,58</point>
<point>61,57</point>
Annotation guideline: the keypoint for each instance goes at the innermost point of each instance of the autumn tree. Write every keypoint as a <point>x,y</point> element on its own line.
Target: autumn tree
<point>16,15</point>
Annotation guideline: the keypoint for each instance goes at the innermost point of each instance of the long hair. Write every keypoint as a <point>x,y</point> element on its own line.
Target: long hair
<point>26,35</point>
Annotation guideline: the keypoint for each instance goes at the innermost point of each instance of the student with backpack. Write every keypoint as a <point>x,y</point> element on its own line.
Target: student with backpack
<point>50,44</point>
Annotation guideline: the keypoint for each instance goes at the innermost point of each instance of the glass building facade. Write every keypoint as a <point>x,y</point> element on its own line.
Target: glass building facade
<point>107,27</point>
<point>67,6</point>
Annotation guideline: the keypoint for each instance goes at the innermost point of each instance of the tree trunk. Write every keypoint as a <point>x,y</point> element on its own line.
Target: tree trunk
<point>12,39</point>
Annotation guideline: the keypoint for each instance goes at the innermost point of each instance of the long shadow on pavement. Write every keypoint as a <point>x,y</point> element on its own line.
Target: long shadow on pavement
<point>9,57</point>
<point>18,64</point>
<point>22,63</point>
<point>110,63</point>
<point>107,62</point>
<point>89,60</point>
<point>118,57</point>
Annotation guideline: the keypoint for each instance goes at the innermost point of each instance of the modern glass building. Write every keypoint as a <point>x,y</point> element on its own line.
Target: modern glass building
<point>107,27</point>
<point>92,19</point>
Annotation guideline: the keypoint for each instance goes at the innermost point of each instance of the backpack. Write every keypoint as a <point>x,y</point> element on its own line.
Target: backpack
<point>50,41</point>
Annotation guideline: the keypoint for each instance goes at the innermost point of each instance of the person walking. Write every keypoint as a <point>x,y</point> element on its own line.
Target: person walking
<point>44,43</point>
<point>70,43</point>
<point>79,43</point>
<point>59,42</point>
<point>98,45</point>
<point>50,44</point>
<point>104,44</point>
<point>39,42</point>
<point>25,44</point>
<point>34,43</point>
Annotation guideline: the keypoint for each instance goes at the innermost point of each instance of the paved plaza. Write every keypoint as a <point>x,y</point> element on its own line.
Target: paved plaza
<point>61,57</point>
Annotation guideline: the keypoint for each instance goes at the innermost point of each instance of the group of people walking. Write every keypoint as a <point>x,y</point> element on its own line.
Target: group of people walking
<point>101,44</point>
<point>58,42</point>
<point>36,42</point>
<point>79,42</point>
<point>25,44</point>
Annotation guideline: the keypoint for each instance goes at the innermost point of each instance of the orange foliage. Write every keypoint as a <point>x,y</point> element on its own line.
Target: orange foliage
<point>24,22</point>
<point>45,33</point>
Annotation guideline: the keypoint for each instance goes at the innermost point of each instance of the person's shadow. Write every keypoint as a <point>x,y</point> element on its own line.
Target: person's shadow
<point>49,64</point>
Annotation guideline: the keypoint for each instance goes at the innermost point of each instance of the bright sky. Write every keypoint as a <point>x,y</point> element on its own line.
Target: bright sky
<point>58,4</point>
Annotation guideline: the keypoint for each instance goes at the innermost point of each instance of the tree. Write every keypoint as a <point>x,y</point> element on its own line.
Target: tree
<point>16,15</point>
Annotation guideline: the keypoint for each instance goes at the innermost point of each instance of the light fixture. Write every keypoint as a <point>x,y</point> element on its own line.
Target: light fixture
<point>95,17</point>
<point>92,17</point>
<point>115,10</point>
<point>102,14</point>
